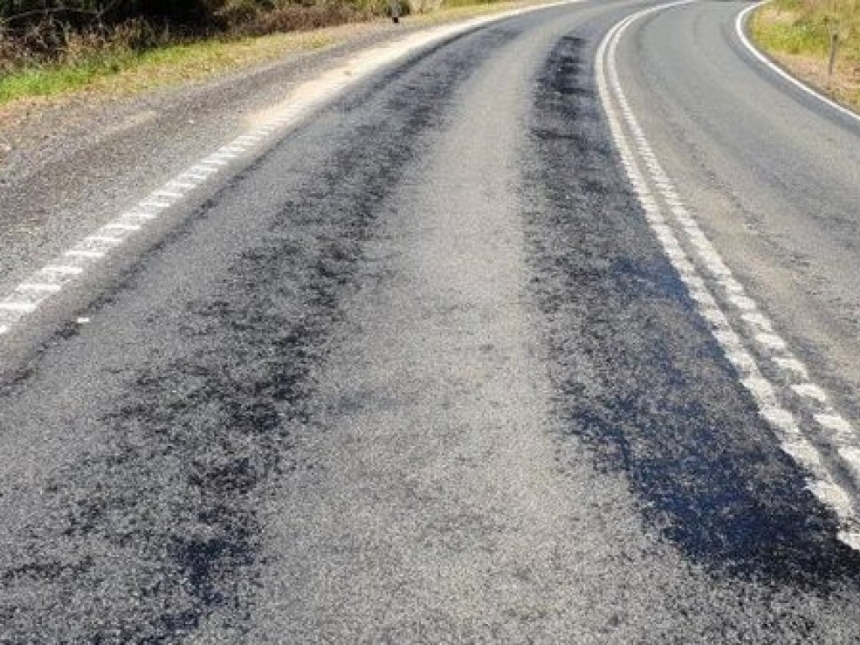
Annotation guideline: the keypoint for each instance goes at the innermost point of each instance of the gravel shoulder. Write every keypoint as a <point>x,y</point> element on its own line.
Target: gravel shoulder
<point>34,131</point>
<point>39,129</point>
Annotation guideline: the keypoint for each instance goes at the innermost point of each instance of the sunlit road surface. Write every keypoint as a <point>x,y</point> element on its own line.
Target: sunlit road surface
<point>541,332</point>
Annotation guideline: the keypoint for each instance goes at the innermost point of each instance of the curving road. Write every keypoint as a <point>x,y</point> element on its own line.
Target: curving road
<point>543,333</point>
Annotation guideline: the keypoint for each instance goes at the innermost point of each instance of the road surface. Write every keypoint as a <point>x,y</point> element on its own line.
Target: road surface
<point>493,344</point>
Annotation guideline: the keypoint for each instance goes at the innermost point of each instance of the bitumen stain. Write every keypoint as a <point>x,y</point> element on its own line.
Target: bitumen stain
<point>200,433</point>
<point>199,436</point>
<point>641,381</point>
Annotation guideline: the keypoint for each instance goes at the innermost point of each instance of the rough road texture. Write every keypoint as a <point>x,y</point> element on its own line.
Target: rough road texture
<point>420,374</point>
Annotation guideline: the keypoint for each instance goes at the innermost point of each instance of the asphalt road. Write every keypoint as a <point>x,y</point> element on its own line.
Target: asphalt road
<point>424,372</point>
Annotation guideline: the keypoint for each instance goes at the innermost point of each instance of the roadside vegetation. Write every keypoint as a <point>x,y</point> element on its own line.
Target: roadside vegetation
<point>798,34</point>
<point>50,47</point>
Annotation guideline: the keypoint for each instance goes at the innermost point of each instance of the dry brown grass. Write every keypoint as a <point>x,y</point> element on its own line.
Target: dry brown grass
<point>797,33</point>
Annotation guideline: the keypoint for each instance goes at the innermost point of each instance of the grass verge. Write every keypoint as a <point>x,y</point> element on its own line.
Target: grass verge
<point>125,72</point>
<point>797,34</point>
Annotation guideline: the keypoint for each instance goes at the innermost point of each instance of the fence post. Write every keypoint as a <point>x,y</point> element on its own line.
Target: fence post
<point>834,40</point>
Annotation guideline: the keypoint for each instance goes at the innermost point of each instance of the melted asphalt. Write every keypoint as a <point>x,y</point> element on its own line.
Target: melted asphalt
<point>419,374</point>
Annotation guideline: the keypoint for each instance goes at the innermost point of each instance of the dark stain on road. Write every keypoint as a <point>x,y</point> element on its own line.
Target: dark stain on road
<point>162,524</point>
<point>640,380</point>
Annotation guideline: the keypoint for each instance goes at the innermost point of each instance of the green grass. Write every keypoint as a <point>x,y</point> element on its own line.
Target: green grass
<point>805,27</point>
<point>797,37</point>
<point>127,71</point>
<point>797,33</point>
<point>50,80</point>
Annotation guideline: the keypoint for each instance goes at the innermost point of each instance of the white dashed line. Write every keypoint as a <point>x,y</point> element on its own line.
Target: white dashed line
<point>104,239</point>
<point>757,319</point>
<point>140,212</point>
<point>851,456</point>
<point>179,185</point>
<point>742,302</point>
<point>81,253</point>
<point>810,391</point>
<point>122,226</point>
<point>771,341</point>
<point>196,175</point>
<point>50,288</point>
<point>219,162</point>
<point>835,424</point>
<point>791,365</point>
<point>16,306</point>
<point>705,275</point>
<point>168,195</point>
<point>63,270</point>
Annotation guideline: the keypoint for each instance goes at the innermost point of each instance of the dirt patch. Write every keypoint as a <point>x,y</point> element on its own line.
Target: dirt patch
<point>843,85</point>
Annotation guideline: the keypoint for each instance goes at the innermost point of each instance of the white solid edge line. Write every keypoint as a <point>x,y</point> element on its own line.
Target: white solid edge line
<point>171,192</point>
<point>740,22</point>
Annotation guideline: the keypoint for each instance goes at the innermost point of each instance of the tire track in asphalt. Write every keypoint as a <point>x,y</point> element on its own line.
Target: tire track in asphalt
<point>644,382</point>
<point>149,537</point>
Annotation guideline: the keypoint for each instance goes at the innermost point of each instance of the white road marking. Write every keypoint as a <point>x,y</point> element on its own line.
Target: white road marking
<point>757,319</point>
<point>82,253</point>
<point>104,239</point>
<point>168,195</point>
<point>835,424</point>
<point>215,161</point>
<point>139,213</point>
<point>17,306</point>
<point>851,456</point>
<point>791,365</point>
<point>810,391</point>
<point>195,177</point>
<point>301,104</point>
<point>771,341</point>
<point>122,226</point>
<point>636,151</point>
<point>34,286</point>
<point>742,302</point>
<point>63,270</point>
<point>180,185</point>
<point>740,29</point>
<point>155,204</point>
